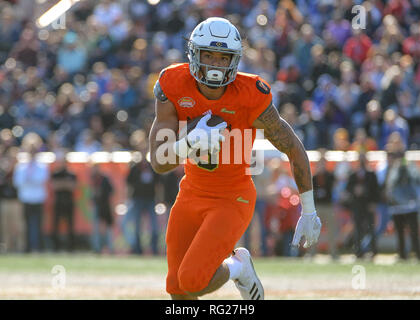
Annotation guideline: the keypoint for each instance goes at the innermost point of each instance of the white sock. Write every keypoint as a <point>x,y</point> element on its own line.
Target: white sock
<point>235,267</point>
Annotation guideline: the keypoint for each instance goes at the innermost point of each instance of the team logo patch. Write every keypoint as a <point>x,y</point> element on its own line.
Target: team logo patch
<point>218,44</point>
<point>186,102</point>
<point>263,87</point>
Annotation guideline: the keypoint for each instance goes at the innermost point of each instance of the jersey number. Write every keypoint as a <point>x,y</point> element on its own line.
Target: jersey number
<point>210,164</point>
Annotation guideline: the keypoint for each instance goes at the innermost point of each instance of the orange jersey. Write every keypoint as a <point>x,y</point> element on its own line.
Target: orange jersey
<point>241,104</point>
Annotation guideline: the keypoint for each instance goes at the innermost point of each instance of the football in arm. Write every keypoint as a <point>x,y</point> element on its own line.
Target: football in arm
<point>213,121</point>
<point>192,123</point>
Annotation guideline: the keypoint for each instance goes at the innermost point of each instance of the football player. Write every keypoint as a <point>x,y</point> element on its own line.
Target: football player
<point>216,199</point>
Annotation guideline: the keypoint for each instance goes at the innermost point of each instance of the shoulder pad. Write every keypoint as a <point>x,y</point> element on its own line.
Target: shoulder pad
<point>158,92</point>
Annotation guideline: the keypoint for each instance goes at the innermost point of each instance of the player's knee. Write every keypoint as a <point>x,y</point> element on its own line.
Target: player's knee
<point>189,281</point>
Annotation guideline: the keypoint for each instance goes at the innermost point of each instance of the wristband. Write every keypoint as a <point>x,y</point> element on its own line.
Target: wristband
<point>307,201</point>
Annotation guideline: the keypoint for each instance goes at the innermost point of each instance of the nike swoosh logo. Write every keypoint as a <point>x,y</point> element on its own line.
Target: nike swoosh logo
<point>242,200</point>
<point>227,111</point>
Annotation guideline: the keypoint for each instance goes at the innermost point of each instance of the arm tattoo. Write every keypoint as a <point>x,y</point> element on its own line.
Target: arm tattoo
<point>276,129</point>
<point>282,136</point>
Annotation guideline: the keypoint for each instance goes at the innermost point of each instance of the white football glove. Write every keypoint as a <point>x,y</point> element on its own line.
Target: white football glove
<point>205,137</point>
<point>308,226</point>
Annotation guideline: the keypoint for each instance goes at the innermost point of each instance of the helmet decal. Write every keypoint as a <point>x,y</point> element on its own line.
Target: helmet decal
<point>218,44</point>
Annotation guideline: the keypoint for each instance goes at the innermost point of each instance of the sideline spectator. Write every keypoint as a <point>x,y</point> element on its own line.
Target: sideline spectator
<point>63,185</point>
<point>142,182</point>
<point>402,191</point>
<point>11,214</point>
<point>30,178</point>
<point>323,182</point>
<point>103,218</point>
<point>362,196</point>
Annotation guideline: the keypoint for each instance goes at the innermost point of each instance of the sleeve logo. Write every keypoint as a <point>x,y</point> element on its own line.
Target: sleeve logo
<point>263,87</point>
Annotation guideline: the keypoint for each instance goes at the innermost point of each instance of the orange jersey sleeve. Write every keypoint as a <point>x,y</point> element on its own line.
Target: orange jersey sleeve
<point>172,79</point>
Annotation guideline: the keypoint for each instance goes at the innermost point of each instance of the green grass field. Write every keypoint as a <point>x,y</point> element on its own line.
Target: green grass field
<point>86,276</point>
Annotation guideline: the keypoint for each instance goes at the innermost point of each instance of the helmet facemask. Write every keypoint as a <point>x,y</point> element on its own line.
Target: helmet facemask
<point>212,76</point>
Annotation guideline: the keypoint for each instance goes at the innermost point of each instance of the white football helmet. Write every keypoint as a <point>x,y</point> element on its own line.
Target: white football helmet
<point>214,34</point>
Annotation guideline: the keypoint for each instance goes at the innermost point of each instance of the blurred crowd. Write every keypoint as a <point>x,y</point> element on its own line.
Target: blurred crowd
<point>86,83</point>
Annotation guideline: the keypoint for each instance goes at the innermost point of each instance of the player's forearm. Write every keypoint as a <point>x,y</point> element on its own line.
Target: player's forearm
<point>300,165</point>
<point>301,169</point>
<point>162,157</point>
<point>161,140</point>
<point>282,137</point>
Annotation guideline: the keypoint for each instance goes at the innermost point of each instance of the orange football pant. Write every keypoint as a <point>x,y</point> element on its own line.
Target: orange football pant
<point>202,231</point>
